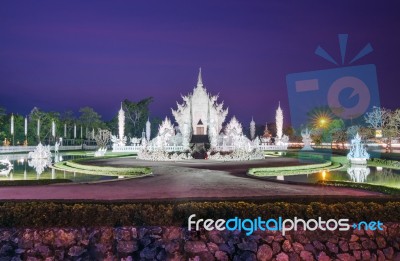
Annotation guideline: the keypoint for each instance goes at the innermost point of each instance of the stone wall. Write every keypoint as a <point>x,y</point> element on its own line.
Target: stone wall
<point>175,243</point>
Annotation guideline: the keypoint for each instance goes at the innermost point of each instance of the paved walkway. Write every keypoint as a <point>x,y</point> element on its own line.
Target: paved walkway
<point>181,180</point>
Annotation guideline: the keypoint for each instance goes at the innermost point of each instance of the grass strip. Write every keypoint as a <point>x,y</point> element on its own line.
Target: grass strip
<point>366,186</point>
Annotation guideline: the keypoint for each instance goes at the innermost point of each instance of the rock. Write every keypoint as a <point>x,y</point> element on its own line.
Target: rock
<point>246,256</point>
<point>76,251</point>
<point>358,232</point>
<point>215,237</point>
<point>370,233</point>
<point>287,247</point>
<point>354,246</point>
<point>172,233</point>
<point>172,247</point>
<point>106,235</point>
<point>145,241</point>
<point>64,239</point>
<point>48,237</point>
<point>381,242</point>
<point>59,254</point>
<point>318,245</point>
<point>44,251</point>
<point>344,246</point>
<point>332,247</point>
<point>248,246</point>
<point>226,248</point>
<point>221,256</point>
<point>381,255</point>
<point>389,252</point>
<point>282,257</point>
<point>396,257</point>
<point>269,239</point>
<point>297,247</point>
<point>195,247</point>
<point>212,247</point>
<point>264,252</point>
<point>279,238</point>
<point>354,238</point>
<point>323,257</point>
<point>6,250</point>
<point>276,248</point>
<point>302,239</point>
<point>127,247</point>
<point>203,256</point>
<point>357,254</point>
<point>148,253</point>
<point>134,233</point>
<point>310,248</point>
<point>345,257</point>
<point>162,255</point>
<point>369,244</point>
<point>366,255</point>
<point>306,256</point>
<point>122,234</point>
<point>293,256</point>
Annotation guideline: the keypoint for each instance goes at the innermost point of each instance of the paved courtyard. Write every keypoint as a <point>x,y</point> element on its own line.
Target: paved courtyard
<point>181,180</point>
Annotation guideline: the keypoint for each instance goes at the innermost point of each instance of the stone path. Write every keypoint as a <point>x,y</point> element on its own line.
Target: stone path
<point>181,180</point>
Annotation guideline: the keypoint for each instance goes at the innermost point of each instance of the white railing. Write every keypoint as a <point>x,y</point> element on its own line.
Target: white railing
<point>136,148</point>
<point>261,147</point>
<point>16,149</point>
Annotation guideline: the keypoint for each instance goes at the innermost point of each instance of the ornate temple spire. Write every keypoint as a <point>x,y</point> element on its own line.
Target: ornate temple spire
<point>199,80</point>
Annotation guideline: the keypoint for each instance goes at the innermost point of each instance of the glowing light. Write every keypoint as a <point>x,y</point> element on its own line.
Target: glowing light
<point>321,119</point>
<point>323,175</point>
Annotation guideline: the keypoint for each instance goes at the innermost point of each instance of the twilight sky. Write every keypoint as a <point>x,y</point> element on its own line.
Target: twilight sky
<point>60,55</point>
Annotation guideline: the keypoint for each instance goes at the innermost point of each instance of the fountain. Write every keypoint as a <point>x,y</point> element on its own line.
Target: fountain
<point>306,134</point>
<point>358,154</point>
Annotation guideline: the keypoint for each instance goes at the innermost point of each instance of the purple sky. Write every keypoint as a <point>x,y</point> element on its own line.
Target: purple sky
<point>60,55</point>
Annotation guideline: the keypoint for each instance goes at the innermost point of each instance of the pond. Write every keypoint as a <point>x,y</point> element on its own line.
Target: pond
<point>23,169</point>
<point>359,174</point>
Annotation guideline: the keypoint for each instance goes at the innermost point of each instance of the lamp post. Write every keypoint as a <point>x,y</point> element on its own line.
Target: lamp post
<point>26,131</point>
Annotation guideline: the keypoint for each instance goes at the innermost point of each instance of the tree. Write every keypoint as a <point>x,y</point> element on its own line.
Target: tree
<point>90,119</point>
<point>386,120</point>
<point>46,119</point>
<point>69,119</point>
<point>136,114</point>
<point>102,138</point>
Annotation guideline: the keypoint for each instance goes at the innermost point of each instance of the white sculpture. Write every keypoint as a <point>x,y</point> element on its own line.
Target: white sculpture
<point>40,152</point>
<point>100,152</point>
<point>5,167</point>
<point>121,139</point>
<point>279,123</point>
<point>306,134</point>
<point>252,129</point>
<point>358,154</point>
<point>148,129</point>
<point>57,146</point>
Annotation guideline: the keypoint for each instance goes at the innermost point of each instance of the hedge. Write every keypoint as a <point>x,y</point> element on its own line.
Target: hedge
<point>63,214</point>
<point>293,170</point>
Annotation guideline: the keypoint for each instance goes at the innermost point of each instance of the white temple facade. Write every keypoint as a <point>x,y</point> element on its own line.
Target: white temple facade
<point>199,114</point>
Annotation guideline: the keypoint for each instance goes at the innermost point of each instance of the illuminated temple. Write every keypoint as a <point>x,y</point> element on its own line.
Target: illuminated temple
<point>200,116</point>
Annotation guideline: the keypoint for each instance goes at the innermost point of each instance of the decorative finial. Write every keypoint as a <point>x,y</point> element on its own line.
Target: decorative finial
<point>199,80</point>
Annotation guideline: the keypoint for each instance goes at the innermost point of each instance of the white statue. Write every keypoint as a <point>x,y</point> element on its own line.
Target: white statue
<point>40,152</point>
<point>306,134</point>
<point>279,123</point>
<point>358,153</point>
<point>252,129</point>
<point>5,167</point>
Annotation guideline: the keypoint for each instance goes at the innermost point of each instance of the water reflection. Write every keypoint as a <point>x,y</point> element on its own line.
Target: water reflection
<point>5,167</point>
<point>358,173</point>
<point>18,167</point>
<point>39,165</point>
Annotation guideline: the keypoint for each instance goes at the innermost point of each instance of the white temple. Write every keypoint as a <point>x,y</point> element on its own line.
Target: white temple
<point>199,114</point>
<point>200,120</point>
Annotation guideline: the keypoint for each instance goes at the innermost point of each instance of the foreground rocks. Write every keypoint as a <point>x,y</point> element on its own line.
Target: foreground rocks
<point>175,243</point>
